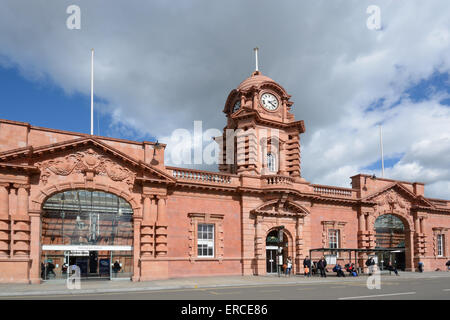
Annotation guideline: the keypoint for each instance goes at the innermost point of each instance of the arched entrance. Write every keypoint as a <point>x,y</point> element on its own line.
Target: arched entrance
<point>276,250</point>
<point>92,230</point>
<point>390,233</point>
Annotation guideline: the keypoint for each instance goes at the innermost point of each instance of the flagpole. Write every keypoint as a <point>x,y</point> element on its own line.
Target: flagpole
<point>92,91</point>
<point>382,155</point>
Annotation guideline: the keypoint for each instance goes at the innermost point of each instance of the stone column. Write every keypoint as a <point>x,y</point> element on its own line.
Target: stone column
<point>361,222</point>
<point>282,159</point>
<point>161,228</point>
<point>22,199</point>
<point>146,209</point>
<point>35,247</point>
<point>137,248</point>
<point>162,218</point>
<point>153,210</point>
<point>20,222</point>
<point>416,223</point>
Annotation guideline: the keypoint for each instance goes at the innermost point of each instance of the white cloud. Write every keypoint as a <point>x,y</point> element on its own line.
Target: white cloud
<point>162,65</point>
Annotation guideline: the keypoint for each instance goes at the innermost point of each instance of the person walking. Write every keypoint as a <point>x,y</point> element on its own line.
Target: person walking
<point>307,266</point>
<point>116,268</point>
<point>321,265</point>
<point>448,265</point>
<point>420,266</point>
<point>392,268</point>
<point>370,263</point>
<point>288,266</point>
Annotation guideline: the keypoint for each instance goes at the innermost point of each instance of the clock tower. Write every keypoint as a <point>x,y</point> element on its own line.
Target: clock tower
<point>261,136</point>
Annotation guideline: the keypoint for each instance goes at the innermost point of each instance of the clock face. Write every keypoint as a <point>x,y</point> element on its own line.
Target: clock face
<point>236,106</point>
<point>269,101</point>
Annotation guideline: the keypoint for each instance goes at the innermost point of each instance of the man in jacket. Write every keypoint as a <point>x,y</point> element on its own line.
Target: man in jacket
<point>321,265</point>
<point>370,263</point>
<point>307,266</point>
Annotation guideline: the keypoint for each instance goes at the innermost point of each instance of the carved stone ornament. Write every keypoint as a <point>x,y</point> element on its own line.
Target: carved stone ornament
<point>82,162</point>
<point>391,201</point>
<point>280,208</point>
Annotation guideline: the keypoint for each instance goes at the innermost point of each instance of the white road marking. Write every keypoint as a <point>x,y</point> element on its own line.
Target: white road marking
<point>378,295</point>
<point>445,289</point>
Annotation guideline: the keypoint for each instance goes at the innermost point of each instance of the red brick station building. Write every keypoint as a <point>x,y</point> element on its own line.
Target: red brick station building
<point>113,208</point>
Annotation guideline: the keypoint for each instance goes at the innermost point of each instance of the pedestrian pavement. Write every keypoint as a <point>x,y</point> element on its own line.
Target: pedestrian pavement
<point>59,287</point>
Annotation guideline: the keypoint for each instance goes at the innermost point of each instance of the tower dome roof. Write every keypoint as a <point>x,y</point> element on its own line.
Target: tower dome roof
<point>254,80</point>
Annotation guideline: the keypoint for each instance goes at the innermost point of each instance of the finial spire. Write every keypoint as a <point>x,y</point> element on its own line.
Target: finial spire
<point>256,58</point>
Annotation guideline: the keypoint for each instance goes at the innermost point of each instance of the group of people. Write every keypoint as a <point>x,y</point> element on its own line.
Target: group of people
<point>47,269</point>
<point>311,267</point>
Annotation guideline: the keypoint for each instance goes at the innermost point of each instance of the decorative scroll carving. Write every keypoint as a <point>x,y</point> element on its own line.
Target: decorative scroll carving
<point>85,161</point>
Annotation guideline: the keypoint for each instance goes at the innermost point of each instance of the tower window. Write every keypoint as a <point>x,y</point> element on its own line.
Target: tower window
<point>271,162</point>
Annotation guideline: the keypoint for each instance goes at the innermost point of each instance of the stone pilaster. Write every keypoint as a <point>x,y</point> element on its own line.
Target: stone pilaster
<point>35,247</point>
<point>136,248</point>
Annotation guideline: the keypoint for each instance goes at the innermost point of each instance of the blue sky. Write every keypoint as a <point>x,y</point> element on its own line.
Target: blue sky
<point>42,103</point>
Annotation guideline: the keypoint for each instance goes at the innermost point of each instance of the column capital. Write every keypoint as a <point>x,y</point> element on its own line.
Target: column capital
<point>34,213</point>
<point>4,184</point>
<point>147,196</point>
<point>161,197</point>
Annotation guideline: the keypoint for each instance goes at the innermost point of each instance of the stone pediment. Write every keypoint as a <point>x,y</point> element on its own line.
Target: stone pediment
<point>85,155</point>
<point>278,207</point>
<point>395,198</point>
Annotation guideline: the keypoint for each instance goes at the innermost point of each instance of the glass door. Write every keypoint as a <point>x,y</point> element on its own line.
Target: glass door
<point>271,260</point>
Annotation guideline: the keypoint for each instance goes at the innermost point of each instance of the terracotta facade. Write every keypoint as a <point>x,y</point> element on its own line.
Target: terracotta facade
<point>244,202</point>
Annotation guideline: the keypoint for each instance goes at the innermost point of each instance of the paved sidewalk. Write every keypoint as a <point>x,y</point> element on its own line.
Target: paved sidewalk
<point>92,286</point>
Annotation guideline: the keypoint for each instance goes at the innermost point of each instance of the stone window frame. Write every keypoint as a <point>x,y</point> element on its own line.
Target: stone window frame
<point>333,225</point>
<point>206,218</point>
<point>444,232</point>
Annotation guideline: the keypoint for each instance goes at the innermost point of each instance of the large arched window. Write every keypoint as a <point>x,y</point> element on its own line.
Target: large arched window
<point>83,217</point>
<point>389,232</point>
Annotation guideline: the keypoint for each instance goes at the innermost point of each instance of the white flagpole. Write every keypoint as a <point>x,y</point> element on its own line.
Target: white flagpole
<point>256,57</point>
<point>92,91</point>
<point>382,155</point>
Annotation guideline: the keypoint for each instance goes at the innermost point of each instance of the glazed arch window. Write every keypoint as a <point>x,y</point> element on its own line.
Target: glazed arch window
<point>440,245</point>
<point>271,162</point>
<point>205,240</point>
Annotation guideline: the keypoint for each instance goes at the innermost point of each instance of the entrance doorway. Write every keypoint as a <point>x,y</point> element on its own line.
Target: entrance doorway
<point>276,252</point>
<point>390,234</point>
<point>99,262</point>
